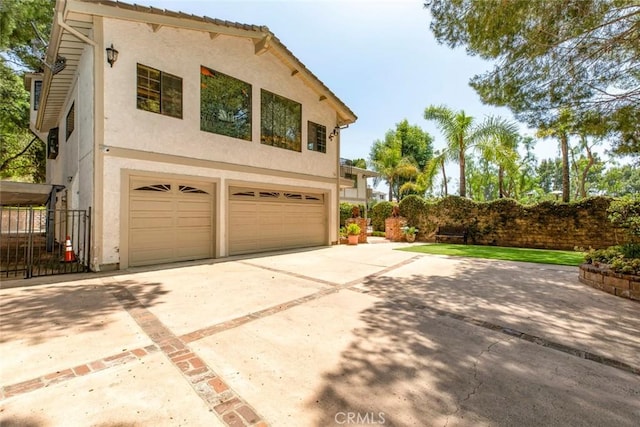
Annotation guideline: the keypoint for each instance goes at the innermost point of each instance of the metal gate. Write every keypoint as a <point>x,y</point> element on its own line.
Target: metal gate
<point>36,241</point>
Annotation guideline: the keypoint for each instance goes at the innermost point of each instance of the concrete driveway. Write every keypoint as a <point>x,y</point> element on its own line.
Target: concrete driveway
<point>362,335</point>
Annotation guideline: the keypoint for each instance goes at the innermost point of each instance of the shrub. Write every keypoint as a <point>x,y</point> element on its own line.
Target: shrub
<point>625,213</point>
<point>617,258</point>
<point>379,213</point>
<point>413,207</point>
<point>345,211</point>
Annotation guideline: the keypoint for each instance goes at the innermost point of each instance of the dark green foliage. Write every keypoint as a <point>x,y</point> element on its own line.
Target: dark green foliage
<point>625,213</point>
<point>21,156</point>
<point>345,212</point>
<point>630,250</point>
<point>379,213</point>
<point>225,104</point>
<point>623,259</point>
<point>412,207</point>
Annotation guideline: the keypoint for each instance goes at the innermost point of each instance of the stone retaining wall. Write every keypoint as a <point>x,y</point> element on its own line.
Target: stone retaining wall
<point>622,285</point>
<point>505,222</point>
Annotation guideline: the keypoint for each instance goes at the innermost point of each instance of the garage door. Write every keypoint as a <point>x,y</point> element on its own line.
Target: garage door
<point>265,220</point>
<point>169,220</point>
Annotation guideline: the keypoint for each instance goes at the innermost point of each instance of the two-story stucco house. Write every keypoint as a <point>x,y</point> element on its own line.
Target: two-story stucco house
<point>189,137</point>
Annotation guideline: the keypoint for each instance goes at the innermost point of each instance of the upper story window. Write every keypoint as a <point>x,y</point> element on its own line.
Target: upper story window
<point>37,89</point>
<point>280,121</point>
<point>316,137</point>
<point>159,92</point>
<point>225,104</point>
<point>353,177</point>
<point>71,120</point>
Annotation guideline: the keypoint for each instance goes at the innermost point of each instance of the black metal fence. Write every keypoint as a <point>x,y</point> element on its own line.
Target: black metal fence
<point>36,241</point>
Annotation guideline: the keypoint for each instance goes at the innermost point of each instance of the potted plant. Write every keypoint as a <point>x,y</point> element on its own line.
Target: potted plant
<point>343,236</point>
<point>353,233</point>
<point>409,233</point>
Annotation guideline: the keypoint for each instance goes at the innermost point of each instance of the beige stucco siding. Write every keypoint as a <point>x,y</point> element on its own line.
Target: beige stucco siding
<point>114,192</point>
<point>182,52</point>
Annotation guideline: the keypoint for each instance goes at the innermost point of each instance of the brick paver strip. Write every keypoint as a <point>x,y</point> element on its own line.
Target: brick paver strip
<point>222,400</point>
<point>77,371</point>
<point>335,287</point>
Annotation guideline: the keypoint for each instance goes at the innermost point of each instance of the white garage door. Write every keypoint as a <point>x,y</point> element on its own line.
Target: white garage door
<point>265,220</point>
<point>169,220</point>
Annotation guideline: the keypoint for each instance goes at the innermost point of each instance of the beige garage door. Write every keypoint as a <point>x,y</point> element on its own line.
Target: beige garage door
<point>265,220</point>
<point>169,220</point>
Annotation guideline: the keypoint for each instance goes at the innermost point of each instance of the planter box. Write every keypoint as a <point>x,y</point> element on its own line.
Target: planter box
<point>393,228</point>
<point>602,278</point>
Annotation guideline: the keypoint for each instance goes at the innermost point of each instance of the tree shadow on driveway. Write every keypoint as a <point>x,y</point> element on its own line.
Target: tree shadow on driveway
<point>412,366</point>
<point>36,313</point>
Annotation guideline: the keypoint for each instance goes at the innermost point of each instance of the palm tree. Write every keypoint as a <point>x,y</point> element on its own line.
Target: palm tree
<point>498,145</point>
<point>492,138</point>
<point>437,162</point>
<point>386,159</point>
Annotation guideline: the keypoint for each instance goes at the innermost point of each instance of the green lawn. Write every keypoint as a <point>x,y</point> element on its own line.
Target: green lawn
<point>541,256</point>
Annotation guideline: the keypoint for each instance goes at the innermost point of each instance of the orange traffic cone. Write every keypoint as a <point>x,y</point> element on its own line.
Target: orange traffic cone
<point>69,256</point>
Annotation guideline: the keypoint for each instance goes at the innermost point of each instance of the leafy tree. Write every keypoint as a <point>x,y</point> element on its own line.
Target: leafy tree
<point>491,138</point>
<point>359,163</point>
<point>619,181</point>
<point>20,45</point>
<point>435,165</point>
<point>560,128</point>
<point>549,173</point>
<point>400,157</point>
<point>22,156</point>
<point>549,55</point>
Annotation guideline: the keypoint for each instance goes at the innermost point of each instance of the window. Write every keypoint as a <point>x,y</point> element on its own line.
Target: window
<point>37,89</point>
<point>316,137</point>
<point>71,120</point>
<point>225,104</point>
<point>281,122</point>
<point>159,92</point>
<point>353,177</point>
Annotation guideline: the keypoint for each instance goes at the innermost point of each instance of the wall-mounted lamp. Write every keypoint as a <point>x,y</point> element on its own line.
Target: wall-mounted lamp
<point>334,133</point>
<point>112,55</point>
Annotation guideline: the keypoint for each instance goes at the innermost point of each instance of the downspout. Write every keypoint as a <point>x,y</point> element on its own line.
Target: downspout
<point>336,235</point>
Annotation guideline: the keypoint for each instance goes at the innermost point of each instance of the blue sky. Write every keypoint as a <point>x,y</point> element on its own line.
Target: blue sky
<point>379,57</point>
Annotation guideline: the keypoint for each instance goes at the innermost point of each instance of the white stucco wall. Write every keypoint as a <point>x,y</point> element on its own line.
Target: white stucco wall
<point>356,194</point>
<point>181,53</point>
<point>73,167</point>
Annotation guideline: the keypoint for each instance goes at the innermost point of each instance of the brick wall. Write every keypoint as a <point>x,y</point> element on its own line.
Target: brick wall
<point>393,228</point>
<point>623,285</point>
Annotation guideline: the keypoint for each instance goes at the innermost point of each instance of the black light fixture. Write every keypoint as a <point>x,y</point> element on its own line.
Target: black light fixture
<point>112,55</point>
<point>334,133</point>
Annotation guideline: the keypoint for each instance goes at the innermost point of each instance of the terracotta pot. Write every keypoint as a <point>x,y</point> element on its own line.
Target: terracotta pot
<point>410,237</point>
<point>353,239</point>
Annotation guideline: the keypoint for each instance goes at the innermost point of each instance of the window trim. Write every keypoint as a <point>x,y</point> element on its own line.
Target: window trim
<point>316,144</point>
<point>70,125</point>
<point>162,97</point>
<point>298,142</point>
<point>249,136</point>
